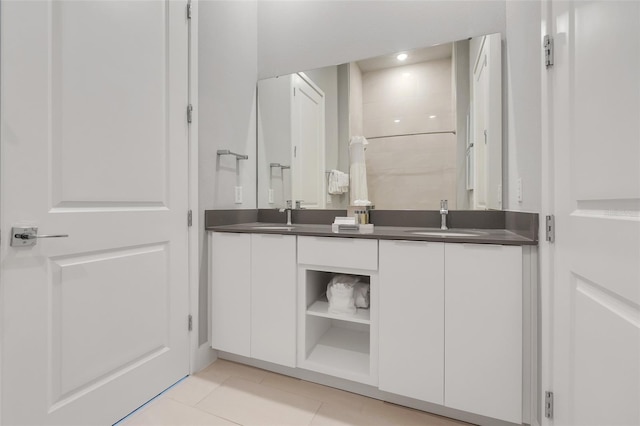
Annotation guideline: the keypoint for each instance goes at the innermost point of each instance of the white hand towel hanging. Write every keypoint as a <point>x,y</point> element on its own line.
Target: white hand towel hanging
<point>336,184</point>
<point>358,170</point>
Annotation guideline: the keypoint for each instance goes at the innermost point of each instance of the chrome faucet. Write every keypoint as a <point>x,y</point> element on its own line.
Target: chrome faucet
<point>444,211</point>
<point>288,210</point>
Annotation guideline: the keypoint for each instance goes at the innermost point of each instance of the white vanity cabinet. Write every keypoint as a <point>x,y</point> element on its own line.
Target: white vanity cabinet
<point>273,298</point>
<point>483,330</point>
<point>253,295</point>
<point>411,319</point>
<point>444,326</point>
<point>230,272</point>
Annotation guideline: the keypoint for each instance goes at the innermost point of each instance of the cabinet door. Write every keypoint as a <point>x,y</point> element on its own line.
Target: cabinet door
<point>231,292</point>
<point>411,319</point>
<point>483,329</point>
<point>273,298</point>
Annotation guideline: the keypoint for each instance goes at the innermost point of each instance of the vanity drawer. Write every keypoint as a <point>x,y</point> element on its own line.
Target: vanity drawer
<point>339,252</point>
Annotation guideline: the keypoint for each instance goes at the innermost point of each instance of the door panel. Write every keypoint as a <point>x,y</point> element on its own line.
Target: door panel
<point>116,138</point>
<point>94,144</point>
<point>594,143</point>
<point>122,294</point>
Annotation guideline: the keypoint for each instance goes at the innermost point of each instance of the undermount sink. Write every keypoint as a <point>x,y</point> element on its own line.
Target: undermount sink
<point>273,228</point>
<point>446,233</point>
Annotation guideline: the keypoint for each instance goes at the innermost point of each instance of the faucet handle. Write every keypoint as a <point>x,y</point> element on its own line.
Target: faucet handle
<point>288,204</point>
<point>298,204</point>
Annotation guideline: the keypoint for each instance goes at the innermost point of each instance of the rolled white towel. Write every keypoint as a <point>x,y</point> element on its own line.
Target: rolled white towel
<point>361,295</point>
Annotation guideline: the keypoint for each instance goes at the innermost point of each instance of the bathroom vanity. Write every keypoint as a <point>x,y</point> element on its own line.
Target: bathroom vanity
<point>448,320</point>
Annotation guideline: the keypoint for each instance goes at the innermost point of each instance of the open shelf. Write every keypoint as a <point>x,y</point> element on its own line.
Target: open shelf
<point>340,345</point>
<point>343,351</point>
<point>320,308</point>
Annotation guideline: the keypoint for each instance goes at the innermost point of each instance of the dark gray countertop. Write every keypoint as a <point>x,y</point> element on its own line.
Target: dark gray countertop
<point>484,236</point>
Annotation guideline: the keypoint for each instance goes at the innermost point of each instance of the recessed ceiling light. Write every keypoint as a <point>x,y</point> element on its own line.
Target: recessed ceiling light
<point>396,120</point>
<point>402,56</point>
<point>432,116</point>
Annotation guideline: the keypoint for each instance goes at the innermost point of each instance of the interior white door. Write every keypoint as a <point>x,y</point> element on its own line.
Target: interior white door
<point>594,159</point>
<point>307,133</point>
<point>94,145</point>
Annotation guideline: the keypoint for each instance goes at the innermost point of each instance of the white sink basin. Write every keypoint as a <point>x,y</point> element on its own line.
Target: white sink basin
<point>274,228</point>
<point>443,233</point>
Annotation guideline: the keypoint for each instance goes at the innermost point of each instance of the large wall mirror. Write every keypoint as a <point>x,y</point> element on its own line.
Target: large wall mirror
<point>400,131</point>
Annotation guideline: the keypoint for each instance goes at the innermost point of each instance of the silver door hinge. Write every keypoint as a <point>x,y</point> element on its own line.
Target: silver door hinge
<point>189,113</point>
<point>550,228</point>
<point>548,51</point>
<point>548,405</point>
<point>189,9</point>
<point>190,323</point>
<point>190,218</point>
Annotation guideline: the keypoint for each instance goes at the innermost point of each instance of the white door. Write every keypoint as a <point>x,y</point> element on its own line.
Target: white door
<point>308,176</point>
<point>94,145</point>
<point>593,299</point>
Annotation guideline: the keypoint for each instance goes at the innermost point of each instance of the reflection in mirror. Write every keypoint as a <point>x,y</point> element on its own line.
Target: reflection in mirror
<point>401,131</point>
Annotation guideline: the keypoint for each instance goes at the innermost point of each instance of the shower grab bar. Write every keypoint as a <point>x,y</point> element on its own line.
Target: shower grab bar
<point>453,132</point>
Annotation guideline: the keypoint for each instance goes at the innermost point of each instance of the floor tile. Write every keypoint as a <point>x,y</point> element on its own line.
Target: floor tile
<point>194,388</point>
<point>313,390</point>
<point>167,412</point>
<point>249,403</point>
<point>339,415</point>
<point>383,413</point>
<point>227,368</point>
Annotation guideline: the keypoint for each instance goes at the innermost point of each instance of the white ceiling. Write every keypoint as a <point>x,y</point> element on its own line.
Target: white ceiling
<point>441,51</point>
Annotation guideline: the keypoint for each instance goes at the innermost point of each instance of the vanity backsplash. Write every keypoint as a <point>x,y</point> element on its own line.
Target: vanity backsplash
<point>524,224</point>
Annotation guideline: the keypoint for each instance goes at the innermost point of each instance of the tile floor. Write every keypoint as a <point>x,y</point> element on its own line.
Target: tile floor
<point>226,393</point>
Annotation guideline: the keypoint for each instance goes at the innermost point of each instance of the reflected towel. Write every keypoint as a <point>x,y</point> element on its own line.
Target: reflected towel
<point>358,170</point>
<point>338,182</point>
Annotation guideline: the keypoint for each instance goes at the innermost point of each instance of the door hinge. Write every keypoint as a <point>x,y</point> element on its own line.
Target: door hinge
<point>548,51</point>
<point>189,113</point>
<point>548,405</point>
<point>190,218</point>
<point>189,9</point>
<point>190,326</point>
<point>550,227</point>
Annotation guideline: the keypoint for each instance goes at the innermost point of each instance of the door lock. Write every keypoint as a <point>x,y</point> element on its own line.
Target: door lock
<point>28,236</point>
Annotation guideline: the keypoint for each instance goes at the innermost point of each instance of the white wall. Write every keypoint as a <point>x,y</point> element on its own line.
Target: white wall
<point>299,35</point>
<point>523,104</point>
<point>227,55</point>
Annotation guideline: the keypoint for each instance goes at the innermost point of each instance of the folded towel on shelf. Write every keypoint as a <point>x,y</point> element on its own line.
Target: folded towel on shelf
<point>338,182</point>
<point>340,294</point>
<point>361,293</point>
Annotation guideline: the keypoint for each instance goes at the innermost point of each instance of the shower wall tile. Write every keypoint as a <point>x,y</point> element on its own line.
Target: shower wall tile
<point>412,172</point>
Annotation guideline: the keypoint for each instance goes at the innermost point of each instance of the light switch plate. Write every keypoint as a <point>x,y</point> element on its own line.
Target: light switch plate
<point>238,195</point>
